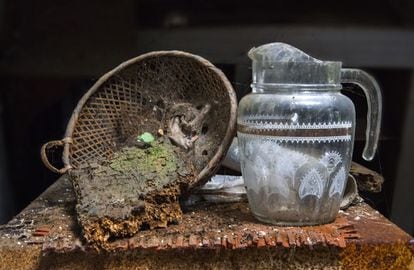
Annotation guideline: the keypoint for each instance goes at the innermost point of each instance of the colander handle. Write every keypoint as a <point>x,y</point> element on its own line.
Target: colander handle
<point>45,159</point>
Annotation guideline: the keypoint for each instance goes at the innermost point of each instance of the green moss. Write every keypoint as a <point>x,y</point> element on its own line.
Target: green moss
<point>157,161</point>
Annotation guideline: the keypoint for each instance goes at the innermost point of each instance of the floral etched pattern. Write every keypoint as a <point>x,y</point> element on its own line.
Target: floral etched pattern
<point>311,184</point>
<point>331,159</point>
<point>338,182</point>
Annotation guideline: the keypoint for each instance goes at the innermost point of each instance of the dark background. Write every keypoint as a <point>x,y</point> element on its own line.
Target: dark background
<point>52,51</point>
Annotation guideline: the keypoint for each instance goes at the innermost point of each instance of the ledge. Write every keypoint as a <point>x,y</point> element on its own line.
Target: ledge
<point>45,235</point>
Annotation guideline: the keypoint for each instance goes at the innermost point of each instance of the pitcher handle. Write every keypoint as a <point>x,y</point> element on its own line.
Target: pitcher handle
<point>374,99</point>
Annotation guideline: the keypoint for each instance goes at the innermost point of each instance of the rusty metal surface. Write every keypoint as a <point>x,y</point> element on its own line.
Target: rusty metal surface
<point>228,226</point>
<point>359,235</point>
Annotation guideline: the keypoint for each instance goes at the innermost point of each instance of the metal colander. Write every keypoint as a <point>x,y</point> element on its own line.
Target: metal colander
<point>140,95</point>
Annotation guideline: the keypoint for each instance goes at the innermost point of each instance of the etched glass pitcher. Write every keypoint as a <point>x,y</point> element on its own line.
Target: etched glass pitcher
<point>296,134</point>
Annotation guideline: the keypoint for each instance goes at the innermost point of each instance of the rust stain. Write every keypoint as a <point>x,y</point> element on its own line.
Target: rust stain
<point>205,242</point>
<point>261,242</point>
<point>229,243</point>
<point>291,236</point>
<point>169,242</point>
<point>378,257</point>
<point>179,241</point>
<point>270,240</point>
<point>283,239</point>
<point>217,242</point>
<point>41,231</point>
<point>224,242</point>
<point>193,241</point>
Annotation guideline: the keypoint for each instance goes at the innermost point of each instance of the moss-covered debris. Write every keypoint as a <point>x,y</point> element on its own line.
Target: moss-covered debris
<point>136,188</point>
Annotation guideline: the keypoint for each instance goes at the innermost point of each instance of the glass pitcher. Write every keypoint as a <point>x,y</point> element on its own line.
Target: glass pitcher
<point>296,134</point>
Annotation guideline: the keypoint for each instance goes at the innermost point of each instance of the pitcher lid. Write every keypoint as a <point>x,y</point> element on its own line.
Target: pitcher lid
<point>282,65</point>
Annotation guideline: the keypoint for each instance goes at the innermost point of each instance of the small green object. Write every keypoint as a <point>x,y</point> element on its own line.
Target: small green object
<point>146,137</point>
